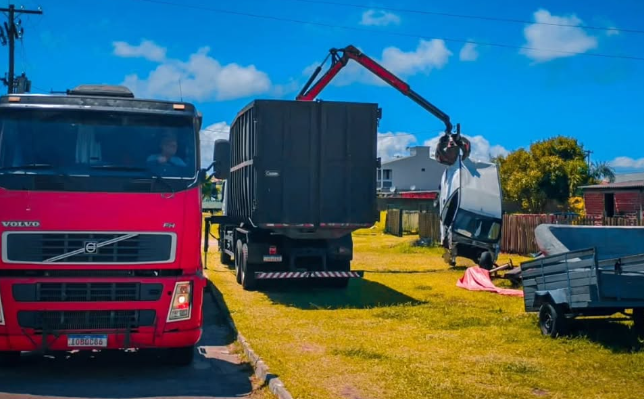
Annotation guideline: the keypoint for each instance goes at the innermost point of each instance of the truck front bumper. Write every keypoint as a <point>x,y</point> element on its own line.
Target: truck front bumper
<point>115,340</point>
<point>39,325</point>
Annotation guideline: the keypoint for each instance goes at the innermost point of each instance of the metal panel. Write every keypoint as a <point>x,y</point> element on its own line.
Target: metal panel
<point>304,163</point>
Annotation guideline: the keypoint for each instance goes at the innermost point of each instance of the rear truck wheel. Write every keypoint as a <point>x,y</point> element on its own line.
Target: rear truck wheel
<point>224,258</point>
<point>180,356</point>
<point>552,321</point>
<point>238,256</point>
<point>9,358</point>
<point>638,320</point>
<point>248,281</point>
<point>339,282</point>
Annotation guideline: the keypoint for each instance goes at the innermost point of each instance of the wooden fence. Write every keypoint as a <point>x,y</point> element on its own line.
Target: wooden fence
<point>517,234</point>
<point>518,230</point>
<point>429,227</point>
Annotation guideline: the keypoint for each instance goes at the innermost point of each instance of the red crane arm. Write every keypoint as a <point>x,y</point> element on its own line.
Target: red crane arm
<point>449,145</point>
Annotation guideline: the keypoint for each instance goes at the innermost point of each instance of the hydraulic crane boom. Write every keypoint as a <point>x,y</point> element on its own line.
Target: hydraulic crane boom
<point>449,145</point>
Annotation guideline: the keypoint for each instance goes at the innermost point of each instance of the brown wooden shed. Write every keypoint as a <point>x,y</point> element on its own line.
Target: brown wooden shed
<point>624,199</point>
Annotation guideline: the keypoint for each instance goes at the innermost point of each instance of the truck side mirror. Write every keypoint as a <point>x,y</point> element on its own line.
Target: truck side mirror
<point>221,159</point>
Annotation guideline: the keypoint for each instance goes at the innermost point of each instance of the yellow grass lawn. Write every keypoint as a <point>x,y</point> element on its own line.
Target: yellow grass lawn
<point>406,331</point>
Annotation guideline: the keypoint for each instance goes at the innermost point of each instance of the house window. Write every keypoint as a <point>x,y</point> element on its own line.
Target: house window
<point>609,205</point>
<point>386,174</point>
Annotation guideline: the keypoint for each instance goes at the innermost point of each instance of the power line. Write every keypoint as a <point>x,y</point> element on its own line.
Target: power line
<point>356,28</point>
<point>452,15</point>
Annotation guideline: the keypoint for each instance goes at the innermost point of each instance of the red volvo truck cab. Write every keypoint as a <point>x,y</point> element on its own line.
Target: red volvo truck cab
<point>100,223</point>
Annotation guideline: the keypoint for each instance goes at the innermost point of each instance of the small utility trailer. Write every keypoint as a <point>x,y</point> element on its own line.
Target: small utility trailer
<point>563,286</point>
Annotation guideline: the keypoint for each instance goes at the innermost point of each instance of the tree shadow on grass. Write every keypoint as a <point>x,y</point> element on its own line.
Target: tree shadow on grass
<point>311,295</point>
<point>615,336</point>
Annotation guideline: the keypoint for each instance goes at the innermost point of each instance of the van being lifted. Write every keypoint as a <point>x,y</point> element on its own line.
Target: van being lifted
<point>471,212</point>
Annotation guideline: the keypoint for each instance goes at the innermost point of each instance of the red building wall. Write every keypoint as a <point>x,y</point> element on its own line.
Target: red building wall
<point>627,203</point>
<point>594,203</point>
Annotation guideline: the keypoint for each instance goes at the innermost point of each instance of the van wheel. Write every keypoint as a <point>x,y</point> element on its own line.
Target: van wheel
<point>8,358</point>
<point>248,271</point>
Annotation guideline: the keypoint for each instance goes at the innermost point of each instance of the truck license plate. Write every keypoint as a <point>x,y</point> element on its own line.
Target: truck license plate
<point>272,258</point>
<point>87,341</point>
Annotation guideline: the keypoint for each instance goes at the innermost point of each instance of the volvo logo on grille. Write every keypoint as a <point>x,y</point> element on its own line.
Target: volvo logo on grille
<point>91,247</point>
<point>20,223</point>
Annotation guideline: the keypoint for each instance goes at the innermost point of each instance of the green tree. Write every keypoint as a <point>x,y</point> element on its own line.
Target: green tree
<point>551,169</point>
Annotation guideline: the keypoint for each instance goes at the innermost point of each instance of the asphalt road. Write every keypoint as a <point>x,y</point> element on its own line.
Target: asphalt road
<point>215,373</point>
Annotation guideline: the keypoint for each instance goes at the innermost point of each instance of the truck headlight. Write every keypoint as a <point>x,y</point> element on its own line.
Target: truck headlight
<point>181,305</point>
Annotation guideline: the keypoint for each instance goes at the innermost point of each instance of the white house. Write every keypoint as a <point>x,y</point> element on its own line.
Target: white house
<point>416,172</point>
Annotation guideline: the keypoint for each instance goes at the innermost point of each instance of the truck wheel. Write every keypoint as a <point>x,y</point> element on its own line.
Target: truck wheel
<point>248,281</point>
<point>224,258</point>
<point>8,358</point>
<point>552,321</point>
<point>180,356</point>
<point>638,320</point>
<point>339,282</point>
<point>238,257</point>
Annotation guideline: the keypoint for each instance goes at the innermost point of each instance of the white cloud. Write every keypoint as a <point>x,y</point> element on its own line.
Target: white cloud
<point>559,38</point>
<point>379,18</point>
<point>468,52</point>
<point>612,32</point>
<point>200,78</point>
<point>627,163</point>
<point>207,137</point>
<point>428,55</point>
<point>392,145</point>
<point>481,148</point>
<point>147,49</point>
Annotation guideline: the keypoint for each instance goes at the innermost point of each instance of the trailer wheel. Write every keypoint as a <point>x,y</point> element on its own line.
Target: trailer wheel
<point>9,358</point>
<point>248,281</point>
<point>552,321</point>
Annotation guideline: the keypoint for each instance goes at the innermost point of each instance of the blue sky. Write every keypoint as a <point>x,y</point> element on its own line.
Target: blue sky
<point>504,98</point>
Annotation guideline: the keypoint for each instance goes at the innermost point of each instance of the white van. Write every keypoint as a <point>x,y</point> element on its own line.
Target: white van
<point>471,212</point>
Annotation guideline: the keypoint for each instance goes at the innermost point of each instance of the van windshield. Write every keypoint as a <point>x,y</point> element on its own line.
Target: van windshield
<point>477,227</point>
<point>92,143</point>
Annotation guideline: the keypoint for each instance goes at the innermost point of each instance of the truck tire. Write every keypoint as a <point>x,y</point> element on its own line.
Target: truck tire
<point>224,258</point>
<point>341,282</point>
<point>9,358</point>
<point>248,281</point>
<point>180,356</point>
<point>238,258</point>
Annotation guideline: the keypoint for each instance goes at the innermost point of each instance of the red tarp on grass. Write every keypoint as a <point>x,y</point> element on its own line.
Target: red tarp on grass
<point>478,279</point>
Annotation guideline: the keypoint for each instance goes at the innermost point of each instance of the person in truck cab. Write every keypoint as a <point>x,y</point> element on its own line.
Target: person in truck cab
<point>167,155</point>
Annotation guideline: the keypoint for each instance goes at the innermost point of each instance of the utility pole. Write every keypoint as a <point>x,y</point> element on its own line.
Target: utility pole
<point>588,152</point>
<point>11,33</point>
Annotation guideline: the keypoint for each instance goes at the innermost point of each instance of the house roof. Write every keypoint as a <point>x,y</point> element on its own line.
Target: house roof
<point>639,184</point>
<point>629,177</point>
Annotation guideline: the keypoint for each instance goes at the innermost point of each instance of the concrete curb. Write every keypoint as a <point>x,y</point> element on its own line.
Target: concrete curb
<point>261,369</point>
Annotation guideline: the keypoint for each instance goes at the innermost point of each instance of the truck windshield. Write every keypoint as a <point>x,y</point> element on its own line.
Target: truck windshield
<point>96,143</point>
<point>477,227</point>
